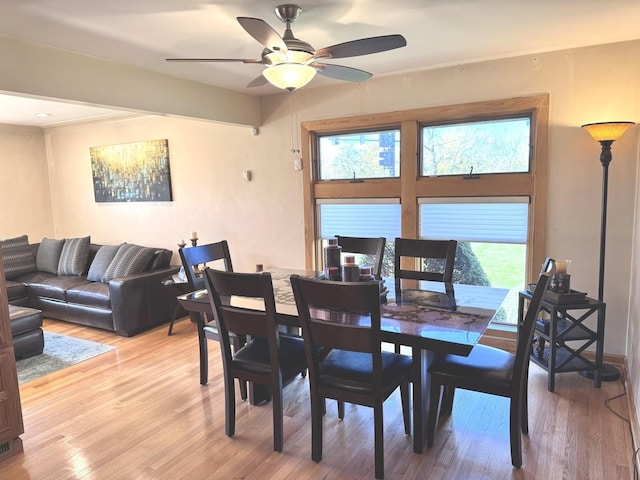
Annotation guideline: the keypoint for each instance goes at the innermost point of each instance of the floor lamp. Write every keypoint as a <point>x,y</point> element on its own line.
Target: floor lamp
<point>606,133</point>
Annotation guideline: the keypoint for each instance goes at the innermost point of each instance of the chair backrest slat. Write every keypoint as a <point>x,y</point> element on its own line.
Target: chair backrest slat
<point>201,254</point>
<point>424,249</point>
<point>343,337</point>
<point>242,321</point>
<point>365,246</point>
<point>341,315</point>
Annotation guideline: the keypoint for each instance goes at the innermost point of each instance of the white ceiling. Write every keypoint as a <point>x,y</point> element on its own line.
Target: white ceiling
<point>438,32</point>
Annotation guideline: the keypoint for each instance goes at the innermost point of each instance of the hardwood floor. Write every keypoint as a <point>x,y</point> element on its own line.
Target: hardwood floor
<point>138,412</point>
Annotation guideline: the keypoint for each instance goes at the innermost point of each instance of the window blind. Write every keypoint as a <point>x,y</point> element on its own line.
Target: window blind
<point>359,219</point>
<point>484,220</point>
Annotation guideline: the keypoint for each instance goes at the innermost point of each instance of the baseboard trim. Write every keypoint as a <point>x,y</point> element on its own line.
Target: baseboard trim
<point>633,414</point>
<point>506,340</point>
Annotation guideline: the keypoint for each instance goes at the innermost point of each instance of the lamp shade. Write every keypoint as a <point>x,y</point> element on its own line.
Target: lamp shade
<point>607,131</point>
<point>289,76</point>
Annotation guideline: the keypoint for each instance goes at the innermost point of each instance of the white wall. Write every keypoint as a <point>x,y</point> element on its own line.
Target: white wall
<point>24,184</point>
<point>263,219</point>
<point>633,335</point>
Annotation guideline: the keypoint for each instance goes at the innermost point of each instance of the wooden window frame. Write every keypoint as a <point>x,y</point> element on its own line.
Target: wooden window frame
<point>410,185</point>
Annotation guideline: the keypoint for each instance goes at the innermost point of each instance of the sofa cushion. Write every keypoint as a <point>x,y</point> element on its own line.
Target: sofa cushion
<point>129,260</point>
<point>93,294</point>
<point>101,262</point>
<point>18,257</point>
<point>54,287</point>
<point>74,255</point>
<point>161,259</point>
<point>16,290</point>
<point>24,319</point>
<point>48,255</point>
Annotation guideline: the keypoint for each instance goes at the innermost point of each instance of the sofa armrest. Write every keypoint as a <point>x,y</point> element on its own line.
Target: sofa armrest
<point>140,301</point>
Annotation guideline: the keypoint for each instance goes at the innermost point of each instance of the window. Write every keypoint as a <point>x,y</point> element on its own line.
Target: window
<point>359,155</point>
<point>416,163</point>
<point>491,234</point>
<point>493,146</point>
<point>361,218</point>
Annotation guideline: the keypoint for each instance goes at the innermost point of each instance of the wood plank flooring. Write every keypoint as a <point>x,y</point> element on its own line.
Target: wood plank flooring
<point>139,412</point>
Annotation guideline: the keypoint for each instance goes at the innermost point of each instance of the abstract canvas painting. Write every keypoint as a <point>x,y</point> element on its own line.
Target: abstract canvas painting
<point>132,172</point>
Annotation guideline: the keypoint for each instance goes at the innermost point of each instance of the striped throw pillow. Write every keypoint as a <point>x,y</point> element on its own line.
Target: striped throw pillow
<point>74,256</point>
<point>18,257</point>
<point>129,260</point>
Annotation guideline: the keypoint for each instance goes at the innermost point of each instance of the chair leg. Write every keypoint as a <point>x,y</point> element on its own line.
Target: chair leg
<point>173,318</point>
<point>229,406</point>
<point>378,439</point>
<point>243,389</point>
<point>278,425</point>
<point>434,406</point>
<point>317,407</point>
<point>340,409</point>
<point>204,354</point>
<point>515,436</point>
<point>447,399</point>
<point>405,396</point>
<point>237,345</point>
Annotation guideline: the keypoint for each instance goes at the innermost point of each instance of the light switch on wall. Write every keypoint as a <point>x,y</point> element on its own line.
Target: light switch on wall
<point>297,164</point>
<point>246,174</point>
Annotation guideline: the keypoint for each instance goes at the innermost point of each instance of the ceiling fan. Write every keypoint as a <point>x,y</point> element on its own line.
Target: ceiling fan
<point>291,63</point>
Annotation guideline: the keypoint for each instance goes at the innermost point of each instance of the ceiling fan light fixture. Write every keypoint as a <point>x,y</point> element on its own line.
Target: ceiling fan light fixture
<point>289,76</point>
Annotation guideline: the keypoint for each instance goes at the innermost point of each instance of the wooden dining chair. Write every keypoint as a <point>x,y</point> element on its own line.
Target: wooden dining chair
<point>493,371</point>
<point>345,359</point>
<point>440,252</point>
<point>269,357</point>
<point>193,258</point>
<point>365,246</point>
<point>439,255</point>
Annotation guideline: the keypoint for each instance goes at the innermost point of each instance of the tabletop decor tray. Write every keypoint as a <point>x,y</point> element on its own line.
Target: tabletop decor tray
<point>573,296</point>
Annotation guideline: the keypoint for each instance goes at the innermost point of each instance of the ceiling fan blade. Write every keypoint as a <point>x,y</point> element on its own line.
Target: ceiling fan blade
<point>342,73</point>
<point>263,33</point>
<point>257,82</point>
<point>364,46</point>
<point>243,60</point>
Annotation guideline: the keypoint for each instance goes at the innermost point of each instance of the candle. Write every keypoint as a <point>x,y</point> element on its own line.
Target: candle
<point>561,267</point>
<point>194,235</point>
<point>349,260</point>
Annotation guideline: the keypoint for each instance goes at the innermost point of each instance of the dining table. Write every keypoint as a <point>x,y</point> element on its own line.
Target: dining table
<point>429,320</point>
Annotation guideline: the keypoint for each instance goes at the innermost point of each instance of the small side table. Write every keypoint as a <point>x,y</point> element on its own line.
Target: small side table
<point>175,289</point>
<point>564,337</point>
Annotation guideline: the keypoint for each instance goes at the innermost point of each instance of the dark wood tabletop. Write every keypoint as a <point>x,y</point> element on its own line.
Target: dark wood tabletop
<point>426,319</point>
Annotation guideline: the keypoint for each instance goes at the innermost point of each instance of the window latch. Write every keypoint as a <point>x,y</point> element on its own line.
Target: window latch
<point>471,175</point>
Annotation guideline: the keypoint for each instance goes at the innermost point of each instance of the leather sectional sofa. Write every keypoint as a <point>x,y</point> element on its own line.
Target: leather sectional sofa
<point>112,287</point>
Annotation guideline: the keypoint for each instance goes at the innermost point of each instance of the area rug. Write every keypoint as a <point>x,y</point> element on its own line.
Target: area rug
<point>60,351</point>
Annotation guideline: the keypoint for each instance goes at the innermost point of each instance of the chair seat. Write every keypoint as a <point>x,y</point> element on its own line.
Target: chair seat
<point>484,365</point>
<point>254,356</point>
<point>353,371</point>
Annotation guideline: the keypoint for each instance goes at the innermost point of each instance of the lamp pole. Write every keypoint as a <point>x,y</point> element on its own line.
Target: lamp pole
<point>605,133</point>
<point>605,159</point>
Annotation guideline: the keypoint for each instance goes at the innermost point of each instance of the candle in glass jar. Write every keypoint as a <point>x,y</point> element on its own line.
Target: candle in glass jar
<point>194,235</point>
<point>561,267</point>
